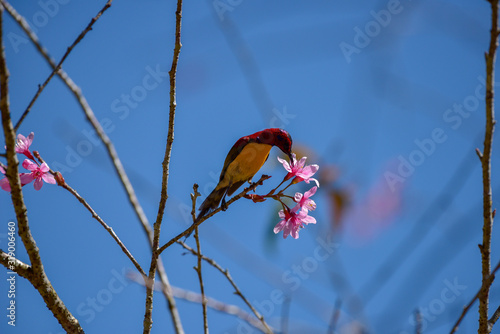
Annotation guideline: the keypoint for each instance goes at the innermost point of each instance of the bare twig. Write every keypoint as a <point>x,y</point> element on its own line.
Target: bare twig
<point>418,321</point>
<point>494,318</point>
<point>194,297</point>
<point>39,279</point>
<point>200,278</point>
<point>62,183</point>
<point>486,166</point>
<point>86,109</point>
<point>194,196</point>
<point>466,309</point>
<point>423,225</point>
<point>148,321</point>
<point>190,229</point>
<point>15,265</point>
<point>237,291</point>
<point>285,314</point>
<point>73,87</point>
<point>335,317</point>
<point>58,66</point>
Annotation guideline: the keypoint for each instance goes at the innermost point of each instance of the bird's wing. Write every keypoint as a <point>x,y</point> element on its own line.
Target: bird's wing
<point>233,153</point>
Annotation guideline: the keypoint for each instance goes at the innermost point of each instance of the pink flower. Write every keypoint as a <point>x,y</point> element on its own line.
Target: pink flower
<point>304,202</point>
<point>4,183</point>
<point>23,144</point>
<point>292,221</point>
<point>298,170</point>
<point>38,173</point>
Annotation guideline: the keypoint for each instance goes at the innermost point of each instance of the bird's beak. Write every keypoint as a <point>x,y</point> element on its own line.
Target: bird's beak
<point>291,158</point>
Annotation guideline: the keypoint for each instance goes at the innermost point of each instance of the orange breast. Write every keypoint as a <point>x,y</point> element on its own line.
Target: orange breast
<point>246,164</point>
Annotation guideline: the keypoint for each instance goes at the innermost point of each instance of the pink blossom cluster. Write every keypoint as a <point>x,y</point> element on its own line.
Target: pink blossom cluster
<point>294,219</point>
<point>38,172</point>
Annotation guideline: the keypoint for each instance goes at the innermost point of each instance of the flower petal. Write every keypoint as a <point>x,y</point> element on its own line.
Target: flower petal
<point>38,183</point>
<point>285,164</point>
<point>29,165</point>
<point>279,227</point>
<point>309,220</point>
<point>30,138</point>
<point>310,192</point>
<point>4,184</point>
<point>49,178</point>
<point>44,167</point>
<point>26,178</point>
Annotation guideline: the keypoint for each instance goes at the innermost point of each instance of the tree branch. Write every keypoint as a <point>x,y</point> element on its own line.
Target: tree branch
<point>13,264</point>
<point>194,297</point>
<point>73,87</point>
<point>466,309</point>
<point>194,196</point>
<point>62,183</point>
<point>148,321</point>
<point>190,229</point>
<point>237,291</point>
<point>494,318</point>
<point>40,280</point>
<point>55,70</point>
<point>486,167</point>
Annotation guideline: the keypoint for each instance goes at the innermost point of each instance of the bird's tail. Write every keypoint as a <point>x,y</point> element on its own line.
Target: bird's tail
<point>211,202</point>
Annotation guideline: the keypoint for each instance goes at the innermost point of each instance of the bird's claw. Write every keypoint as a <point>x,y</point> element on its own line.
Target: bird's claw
<point>223,205</point>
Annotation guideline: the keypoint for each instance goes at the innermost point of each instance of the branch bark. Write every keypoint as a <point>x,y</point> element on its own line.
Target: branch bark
<point>76,91</point>
<point>485,158</point>
<point>197,223</point>
<point>148,316</point>
<point>39,279</point>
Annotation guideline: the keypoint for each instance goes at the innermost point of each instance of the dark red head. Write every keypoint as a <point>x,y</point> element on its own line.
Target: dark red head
<point>276,137</point>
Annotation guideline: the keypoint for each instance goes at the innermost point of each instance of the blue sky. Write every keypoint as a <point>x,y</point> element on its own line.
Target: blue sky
<point>365,87</point>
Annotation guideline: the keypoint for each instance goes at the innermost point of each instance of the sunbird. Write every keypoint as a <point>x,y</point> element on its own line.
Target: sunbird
<point>243,161</point>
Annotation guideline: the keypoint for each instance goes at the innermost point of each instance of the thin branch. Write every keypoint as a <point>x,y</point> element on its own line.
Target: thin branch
<point>494,318</point>
<point>13,264</point>
<point>200,278</point>
<point>418,321</point>
<point>486,166</point>
<point>73,87</point>
<point>58,67</point>
<point>39,280</point>
<point>190,229</point>
<point>62,183</point>
<point>335,317</point>
<point>466,309</point>
<point>148,316</point>
<point>107,143</point>
<point>194,297</point>
<point>237,291</point>
<point>194,196</point>
<point>285,314</point>
<point>422,227</point>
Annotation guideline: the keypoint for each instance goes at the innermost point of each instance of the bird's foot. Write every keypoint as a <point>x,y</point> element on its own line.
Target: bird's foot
<point>223,205</point>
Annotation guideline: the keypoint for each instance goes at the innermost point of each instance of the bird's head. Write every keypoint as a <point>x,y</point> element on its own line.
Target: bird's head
<point>277,137</point>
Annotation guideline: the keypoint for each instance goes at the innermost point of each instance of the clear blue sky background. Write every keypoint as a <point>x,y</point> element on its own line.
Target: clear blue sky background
<point>361,84</point>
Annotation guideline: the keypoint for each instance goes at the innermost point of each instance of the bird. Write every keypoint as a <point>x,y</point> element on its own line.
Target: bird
<point>243,161</point>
